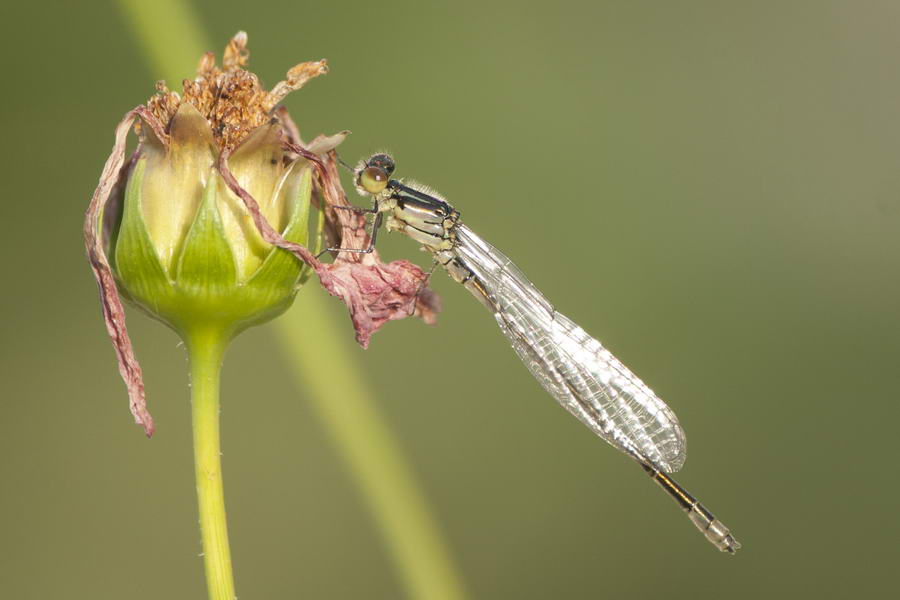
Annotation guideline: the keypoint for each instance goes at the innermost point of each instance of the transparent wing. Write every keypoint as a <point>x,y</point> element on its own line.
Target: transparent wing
<point>583,376</point>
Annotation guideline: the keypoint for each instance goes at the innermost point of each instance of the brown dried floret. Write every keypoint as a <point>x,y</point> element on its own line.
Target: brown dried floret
<point>231,99</point>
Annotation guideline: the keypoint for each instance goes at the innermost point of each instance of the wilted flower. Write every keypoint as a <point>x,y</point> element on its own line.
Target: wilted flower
<point>186,228</point>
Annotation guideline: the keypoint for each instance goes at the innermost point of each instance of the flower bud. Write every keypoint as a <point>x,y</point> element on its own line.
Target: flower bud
<point>187,250</point>
<point>179,229</point>
<point>205,227</point>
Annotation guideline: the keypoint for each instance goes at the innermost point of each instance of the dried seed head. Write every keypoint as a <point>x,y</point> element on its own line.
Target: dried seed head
<point>230,98</point>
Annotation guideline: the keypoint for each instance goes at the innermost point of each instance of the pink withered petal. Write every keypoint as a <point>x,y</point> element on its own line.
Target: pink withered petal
<point>112,212</point>
<point>351,231</point>
<point>404,288</point>
<point>428,304</point>
<point>113,311</point>
<point>347,228</point>
<point>374,292</point>
<point>266,231</point>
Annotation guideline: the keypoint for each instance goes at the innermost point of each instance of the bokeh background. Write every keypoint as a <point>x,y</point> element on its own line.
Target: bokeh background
<point>711,188</point>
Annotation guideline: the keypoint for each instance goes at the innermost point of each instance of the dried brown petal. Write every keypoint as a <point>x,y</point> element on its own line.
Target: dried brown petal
<point>113,311</point>
<point>323,144</point>
<point>297,77</point>
<point>206,65</point>
<point>236,53</point>
<point>267,232</point>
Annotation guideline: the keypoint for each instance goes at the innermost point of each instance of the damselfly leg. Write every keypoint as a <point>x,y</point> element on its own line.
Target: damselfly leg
<point>376,225</point>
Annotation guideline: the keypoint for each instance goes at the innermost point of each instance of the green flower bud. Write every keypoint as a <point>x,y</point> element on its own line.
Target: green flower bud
<point>205,227</point>
<point>187,250</point>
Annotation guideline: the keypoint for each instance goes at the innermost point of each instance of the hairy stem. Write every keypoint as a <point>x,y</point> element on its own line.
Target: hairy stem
<point>206,349</point>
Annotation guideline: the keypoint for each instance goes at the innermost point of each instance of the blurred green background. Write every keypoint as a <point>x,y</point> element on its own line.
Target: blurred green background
<point>711,188</point>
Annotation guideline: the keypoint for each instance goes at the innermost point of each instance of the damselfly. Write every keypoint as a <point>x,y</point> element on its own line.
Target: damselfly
<point>584,377</point>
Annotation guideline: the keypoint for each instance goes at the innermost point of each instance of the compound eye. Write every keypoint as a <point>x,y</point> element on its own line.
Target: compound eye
<point>382,161</point>
<point>373,179</point>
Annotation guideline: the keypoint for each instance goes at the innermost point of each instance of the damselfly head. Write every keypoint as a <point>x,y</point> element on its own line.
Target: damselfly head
<point>372,176</point>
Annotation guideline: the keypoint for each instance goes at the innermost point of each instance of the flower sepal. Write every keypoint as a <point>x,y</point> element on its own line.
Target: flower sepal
<point>201,286</point>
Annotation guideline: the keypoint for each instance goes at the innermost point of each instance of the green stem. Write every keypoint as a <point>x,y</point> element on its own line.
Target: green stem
<point>169,34</point>
<point>206,349</point>
<point>323,363</point>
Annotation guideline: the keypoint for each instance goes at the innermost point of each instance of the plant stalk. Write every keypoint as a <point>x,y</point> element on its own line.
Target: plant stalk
<point>206,350</point>
<point>325,366</point>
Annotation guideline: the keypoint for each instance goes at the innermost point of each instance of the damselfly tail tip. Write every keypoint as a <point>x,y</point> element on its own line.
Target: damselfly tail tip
<point>715,531</point>
<point>731,546</point>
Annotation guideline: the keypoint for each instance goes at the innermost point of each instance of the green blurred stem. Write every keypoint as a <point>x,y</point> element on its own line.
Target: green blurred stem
<point>323,363</point>
<point>169,35</point>
<point>206,348</point>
